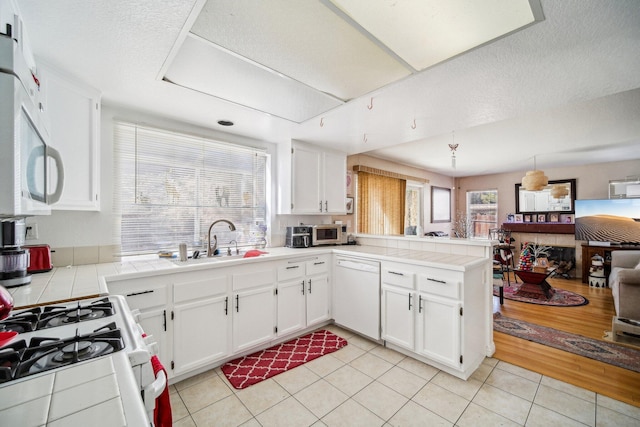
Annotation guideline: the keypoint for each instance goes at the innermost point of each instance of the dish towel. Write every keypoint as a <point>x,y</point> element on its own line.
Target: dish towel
<point>162,412</point>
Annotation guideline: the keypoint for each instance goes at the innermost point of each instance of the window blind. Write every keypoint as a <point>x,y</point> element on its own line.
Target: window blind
<point>381,204</point>
<point>169,187</point>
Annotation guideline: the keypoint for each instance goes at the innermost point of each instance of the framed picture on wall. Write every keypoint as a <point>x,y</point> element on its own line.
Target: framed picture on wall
<point>349,205</point>
<point>349,183</point>
<point>554,217</point>
<point>527,218</point>
<point>542,218</point>
<point>518,218</point>
<point>440,204</point>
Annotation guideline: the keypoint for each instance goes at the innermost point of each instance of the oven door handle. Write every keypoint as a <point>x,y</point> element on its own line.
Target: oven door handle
<point>155,389</point>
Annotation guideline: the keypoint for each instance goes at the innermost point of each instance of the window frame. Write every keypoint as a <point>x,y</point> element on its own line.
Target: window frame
<point>474,223</point>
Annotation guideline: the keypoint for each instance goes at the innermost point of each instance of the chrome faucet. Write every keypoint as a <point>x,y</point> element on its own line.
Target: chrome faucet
<point>229,248</point>
<point>211,249</point>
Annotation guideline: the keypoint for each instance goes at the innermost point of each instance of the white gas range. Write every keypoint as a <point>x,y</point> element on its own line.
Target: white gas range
<point>85,357</point>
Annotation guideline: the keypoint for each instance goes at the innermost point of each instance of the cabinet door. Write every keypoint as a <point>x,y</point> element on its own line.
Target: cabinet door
<point>398,322</point>
<point>317,299</point>
<point>154,324</point>
<point>253,317</point>
<point>335,187</point>
<point>73,112</point>
<point>291,306</point>
<point>305,181</point>
<point>439,332</point>
<point>201,331</point>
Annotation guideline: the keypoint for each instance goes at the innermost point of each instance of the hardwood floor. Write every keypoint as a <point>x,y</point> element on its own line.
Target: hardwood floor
<point>590,320</point>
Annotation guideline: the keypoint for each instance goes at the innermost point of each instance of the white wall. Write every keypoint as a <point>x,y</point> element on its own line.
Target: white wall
<point>592,182</point>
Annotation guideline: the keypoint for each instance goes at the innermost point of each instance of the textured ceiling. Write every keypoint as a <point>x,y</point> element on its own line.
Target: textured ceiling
<point>566,89</point>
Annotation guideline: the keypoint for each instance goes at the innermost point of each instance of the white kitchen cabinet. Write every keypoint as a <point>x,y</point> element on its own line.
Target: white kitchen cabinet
<point>439,329</point>
<point>318,181</point>
<point>254,307</point>
<point>438,315</point>
<point>292,313</point>
<point>72,112</point>
<point>398,305</point>
<point>303,294</point>
<point>398,316</point>
<point>201,332</point>
<point>151,297</point>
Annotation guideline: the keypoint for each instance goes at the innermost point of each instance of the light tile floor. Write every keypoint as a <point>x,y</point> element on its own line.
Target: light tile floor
<point>365,384</point>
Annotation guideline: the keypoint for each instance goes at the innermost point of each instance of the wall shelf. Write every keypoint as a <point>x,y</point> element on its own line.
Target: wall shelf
<point>539,227</point>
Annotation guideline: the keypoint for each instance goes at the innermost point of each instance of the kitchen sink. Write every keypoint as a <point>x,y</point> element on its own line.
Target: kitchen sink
<point>204,259</point>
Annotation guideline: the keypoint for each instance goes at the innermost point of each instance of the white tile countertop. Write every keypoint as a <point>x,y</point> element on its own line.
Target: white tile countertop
<point>85,281</point>
<point>99,392</point>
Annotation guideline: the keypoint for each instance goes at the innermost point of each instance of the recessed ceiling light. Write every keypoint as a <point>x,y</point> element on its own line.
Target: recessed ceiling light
<point>225,122</point>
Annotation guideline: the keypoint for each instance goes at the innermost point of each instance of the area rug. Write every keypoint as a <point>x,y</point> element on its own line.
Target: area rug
<point>560,297</point>
<point>259,366</point>
<point>617,355</point>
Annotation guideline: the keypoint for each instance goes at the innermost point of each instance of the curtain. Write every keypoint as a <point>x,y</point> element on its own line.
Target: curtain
<point>381,204</point>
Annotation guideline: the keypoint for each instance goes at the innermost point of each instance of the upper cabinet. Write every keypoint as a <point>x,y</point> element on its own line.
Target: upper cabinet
<point>315,183</point>
<point>72,110</point>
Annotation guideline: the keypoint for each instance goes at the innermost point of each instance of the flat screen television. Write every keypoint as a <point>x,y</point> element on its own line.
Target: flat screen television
<point>615,221</point>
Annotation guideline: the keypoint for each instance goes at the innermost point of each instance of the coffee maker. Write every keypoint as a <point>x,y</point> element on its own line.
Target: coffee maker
<point>14,260</point>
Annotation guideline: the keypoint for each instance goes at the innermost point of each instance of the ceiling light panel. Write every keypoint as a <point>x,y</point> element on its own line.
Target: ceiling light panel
<point>207,68</point>
<point>426,32</point>
<point>304,40</point>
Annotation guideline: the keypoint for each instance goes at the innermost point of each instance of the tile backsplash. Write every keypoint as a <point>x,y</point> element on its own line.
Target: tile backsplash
<point>82,255</point>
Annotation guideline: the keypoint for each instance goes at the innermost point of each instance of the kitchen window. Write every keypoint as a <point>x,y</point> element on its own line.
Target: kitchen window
<point>482,212</point>
<point>169,187</point>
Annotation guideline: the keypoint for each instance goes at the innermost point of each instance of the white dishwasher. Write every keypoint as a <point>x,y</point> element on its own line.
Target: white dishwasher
<point>356,295</point>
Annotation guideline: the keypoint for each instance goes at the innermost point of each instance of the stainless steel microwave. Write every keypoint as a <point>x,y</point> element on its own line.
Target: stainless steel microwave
<point>327,234</point>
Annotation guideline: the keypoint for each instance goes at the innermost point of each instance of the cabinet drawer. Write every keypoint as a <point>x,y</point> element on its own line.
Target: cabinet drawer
<point>147,298</point>
<point>444,283</point>
<point>188,291</point>
<point>317,266</point>
<point>397,276</point>
<point>254,279</point>
<point>290,271</point>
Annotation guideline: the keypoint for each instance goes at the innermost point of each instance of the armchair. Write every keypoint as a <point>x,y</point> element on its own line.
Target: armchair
<point>624,281</point>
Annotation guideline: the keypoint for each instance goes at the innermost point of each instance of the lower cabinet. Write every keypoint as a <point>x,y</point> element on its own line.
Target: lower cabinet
<point>303,297</point>
<point>201,322</point>
<point>398,318</point>
<point>424,311</point>
<point>150,297</point>
<point>254,307</point>
<point>439,332</point>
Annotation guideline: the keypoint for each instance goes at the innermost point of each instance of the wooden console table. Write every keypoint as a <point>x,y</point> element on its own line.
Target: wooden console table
<point>589,251</point>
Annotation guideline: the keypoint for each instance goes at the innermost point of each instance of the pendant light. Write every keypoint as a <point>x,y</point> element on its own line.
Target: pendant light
<point>534,180</point>
<point>559,191</point>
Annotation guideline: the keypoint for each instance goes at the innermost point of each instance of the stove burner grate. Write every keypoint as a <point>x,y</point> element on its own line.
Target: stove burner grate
<point>18,360</point>
<point>53,316</point>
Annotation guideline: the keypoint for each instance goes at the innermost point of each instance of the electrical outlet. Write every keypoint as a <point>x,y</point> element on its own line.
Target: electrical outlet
<point>32,231</point>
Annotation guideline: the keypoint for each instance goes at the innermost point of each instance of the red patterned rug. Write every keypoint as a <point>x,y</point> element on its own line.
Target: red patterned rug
<point>560,297</point>
<point>613,354</point>
<point>259,366</point>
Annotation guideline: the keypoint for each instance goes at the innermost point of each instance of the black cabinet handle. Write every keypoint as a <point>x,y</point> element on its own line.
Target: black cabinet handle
<point>318,263</point>
<point>293,266</point>
<point>409,302</point>
<point>309,285</point>
<point>320,205</point>
<point>437,281</point>
<point>164,320</point>
<point>226,306</point>
<point>302,287</point>
<point>237,303</point>
<point>326,206</point>
<point>396,273</point>
<point>133,294</point>
<point>420,304</point>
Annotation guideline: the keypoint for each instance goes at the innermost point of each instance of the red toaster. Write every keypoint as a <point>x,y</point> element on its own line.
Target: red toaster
<point>40,258</point>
